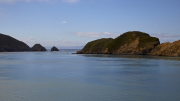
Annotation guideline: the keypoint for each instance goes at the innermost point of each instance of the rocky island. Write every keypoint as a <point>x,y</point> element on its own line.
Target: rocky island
<point>38,47</point>
<point>54,49</point>
<point>129,43</point>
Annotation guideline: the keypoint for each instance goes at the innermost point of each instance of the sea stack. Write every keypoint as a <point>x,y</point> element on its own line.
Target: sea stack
<point>38,47</point>
<point>54,49</point>
<point>10,44</point>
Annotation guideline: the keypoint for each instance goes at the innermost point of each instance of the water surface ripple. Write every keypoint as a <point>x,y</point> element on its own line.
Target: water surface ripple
<point>62,76</point>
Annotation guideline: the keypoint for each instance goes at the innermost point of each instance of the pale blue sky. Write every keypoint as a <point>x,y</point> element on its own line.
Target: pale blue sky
<point>76,22</point>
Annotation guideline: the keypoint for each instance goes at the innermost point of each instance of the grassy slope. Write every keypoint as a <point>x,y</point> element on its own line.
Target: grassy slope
<point>129,37</point>
<point>97,45</point>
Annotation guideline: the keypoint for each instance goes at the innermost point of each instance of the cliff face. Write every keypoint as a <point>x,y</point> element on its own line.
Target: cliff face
<point>38,47</point>
<point>128,43</point>
<point>167,49</point>
<point>9,44</point>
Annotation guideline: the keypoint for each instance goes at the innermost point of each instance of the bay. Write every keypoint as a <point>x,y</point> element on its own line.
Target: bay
<point>63,76</point>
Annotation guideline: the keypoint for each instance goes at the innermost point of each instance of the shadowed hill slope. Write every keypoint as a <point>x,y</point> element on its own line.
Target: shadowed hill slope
<point>10,44</point>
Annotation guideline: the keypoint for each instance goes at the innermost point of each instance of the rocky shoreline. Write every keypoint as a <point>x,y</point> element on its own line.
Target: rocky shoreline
<point>132,43</point>
<point>167,49</point>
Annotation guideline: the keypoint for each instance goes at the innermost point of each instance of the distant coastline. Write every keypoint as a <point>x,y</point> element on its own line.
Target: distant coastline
<point>129,43</point>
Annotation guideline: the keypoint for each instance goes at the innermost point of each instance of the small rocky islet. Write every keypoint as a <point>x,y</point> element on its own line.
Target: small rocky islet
<point>132,43</point>
<point>38,47</point>
<point>54,49</point>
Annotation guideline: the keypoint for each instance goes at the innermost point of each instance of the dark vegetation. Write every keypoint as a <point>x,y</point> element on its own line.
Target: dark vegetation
<point>10,44</point>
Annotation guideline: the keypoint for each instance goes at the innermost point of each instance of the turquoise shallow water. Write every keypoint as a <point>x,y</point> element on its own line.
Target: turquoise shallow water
<point>62,76</point>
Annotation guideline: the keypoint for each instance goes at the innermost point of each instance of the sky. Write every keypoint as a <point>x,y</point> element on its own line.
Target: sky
<point>74,23</point>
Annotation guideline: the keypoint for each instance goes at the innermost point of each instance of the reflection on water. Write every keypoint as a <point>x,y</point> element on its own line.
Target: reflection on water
<point>132,56</point>
<point>41,76</point>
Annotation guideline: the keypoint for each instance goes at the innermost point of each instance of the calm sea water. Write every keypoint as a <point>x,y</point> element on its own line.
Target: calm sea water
<point>62,76</point>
